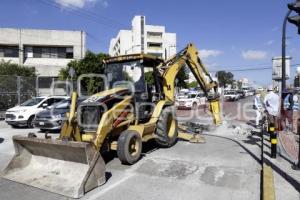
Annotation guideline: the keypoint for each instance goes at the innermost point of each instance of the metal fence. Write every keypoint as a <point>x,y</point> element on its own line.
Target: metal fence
<point>17,89</point>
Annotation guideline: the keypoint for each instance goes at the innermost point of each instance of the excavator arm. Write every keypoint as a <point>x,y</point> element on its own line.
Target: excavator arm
<point>189,57</point>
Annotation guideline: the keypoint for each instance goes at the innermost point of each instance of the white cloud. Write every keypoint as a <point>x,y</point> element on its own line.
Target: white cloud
<point>80,3</point>
<point>205,53</point>
<point>254,55</point>
<point>270,42</point>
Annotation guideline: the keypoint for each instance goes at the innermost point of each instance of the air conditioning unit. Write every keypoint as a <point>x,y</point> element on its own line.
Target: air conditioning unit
<point>29,55</point>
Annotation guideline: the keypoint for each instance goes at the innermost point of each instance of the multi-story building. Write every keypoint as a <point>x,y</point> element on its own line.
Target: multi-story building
<point>143,38</point>
<point>47,50</point>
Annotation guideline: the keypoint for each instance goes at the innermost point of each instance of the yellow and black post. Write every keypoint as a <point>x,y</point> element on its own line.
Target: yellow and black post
<point>273,140</point>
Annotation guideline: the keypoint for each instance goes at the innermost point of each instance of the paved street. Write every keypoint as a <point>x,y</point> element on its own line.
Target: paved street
<point>195,110</point>
<point>201,171</point>
<point>227,166</point>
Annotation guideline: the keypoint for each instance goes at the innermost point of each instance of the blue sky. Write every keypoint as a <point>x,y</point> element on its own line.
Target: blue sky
<point>231,34</point>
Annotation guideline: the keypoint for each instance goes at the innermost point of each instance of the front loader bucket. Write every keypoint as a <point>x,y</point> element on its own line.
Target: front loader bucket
<point>63,167</point>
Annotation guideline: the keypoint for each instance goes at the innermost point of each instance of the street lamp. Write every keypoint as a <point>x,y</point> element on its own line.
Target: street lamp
<point>138,45</point>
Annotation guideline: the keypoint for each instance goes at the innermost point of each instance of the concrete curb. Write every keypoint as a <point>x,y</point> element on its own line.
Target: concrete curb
<point>268,183</point>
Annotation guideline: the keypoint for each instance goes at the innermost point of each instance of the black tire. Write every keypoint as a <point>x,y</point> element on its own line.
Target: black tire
<point>30,122</point>
<point>129,147</point>
<point>167,128</point>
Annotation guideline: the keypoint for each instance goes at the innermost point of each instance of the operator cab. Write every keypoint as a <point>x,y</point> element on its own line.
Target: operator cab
<point>139,74</point>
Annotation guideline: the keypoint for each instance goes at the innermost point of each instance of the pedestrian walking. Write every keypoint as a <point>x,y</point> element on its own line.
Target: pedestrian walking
<point>296,108</point>
<point>272,104</point>
<point>258,109</point>
<point>288,105</point>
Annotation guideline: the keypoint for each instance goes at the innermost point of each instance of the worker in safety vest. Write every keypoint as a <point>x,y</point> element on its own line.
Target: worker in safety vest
<point>288,105</point>
<point>258,107</point>
<point>296,108</point>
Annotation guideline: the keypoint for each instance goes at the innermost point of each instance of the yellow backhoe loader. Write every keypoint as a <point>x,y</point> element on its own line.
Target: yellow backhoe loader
<point>120,118</point>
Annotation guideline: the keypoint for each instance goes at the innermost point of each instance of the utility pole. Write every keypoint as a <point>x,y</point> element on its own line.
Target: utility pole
<point>283,52</point>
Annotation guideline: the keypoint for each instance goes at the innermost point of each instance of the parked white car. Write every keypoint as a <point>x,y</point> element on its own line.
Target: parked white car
<point>231,95</point>
<point>191,101</point>
<point>23,115</point>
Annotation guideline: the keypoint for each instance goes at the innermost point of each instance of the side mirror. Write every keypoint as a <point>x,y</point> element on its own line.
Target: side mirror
<point>44,105</point>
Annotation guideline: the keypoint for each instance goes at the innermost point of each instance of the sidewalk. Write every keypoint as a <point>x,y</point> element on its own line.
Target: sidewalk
<point>286,180</point>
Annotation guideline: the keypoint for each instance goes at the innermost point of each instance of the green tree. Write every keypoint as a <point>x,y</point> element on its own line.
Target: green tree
<point>182,77</point>
<point>224,78</point>
<point>239,85</point>
<point>10,69</point>
<point>193,84</point>
<point>149,78</point>
<point>91,64</point>
<point>9,79</point>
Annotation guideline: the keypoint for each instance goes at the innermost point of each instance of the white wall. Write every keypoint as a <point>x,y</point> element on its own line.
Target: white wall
<point>36,37</point>
<point>130,40</point>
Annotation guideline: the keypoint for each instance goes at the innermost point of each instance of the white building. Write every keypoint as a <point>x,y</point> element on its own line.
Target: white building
<point>142,38</point>
<point>47,50</point>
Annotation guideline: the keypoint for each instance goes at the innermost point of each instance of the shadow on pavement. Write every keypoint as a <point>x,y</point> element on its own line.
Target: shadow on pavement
<point>1,140</point>
<point>49,131</point>
<point>251,123</point>
<point>148,147</point>
<point>257,159</point>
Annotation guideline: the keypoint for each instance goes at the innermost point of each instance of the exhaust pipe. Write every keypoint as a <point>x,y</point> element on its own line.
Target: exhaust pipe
<point>63,167</point>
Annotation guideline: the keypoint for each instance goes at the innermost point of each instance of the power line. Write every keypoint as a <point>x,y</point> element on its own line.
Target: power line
<point>262,68</point>
<point>85,14</point>
<point>81,12</point>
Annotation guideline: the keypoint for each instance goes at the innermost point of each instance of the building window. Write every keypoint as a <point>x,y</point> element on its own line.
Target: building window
<point>48,52</point>
<point>159,55</point>
<point>157,35</point>
<point>154,45</point>
<point>69,53</point>
<point>9,51</point>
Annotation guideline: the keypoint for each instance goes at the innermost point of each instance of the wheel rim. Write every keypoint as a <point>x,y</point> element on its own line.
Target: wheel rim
<point>134,146</point>
<point>171,125</point>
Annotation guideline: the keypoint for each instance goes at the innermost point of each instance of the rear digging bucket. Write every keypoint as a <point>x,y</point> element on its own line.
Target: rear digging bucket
<point>63,167</point>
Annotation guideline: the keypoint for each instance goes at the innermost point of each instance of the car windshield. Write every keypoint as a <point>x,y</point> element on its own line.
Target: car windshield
<point>190,96</point>
<point>65,104</point>
<point>33,101</point>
